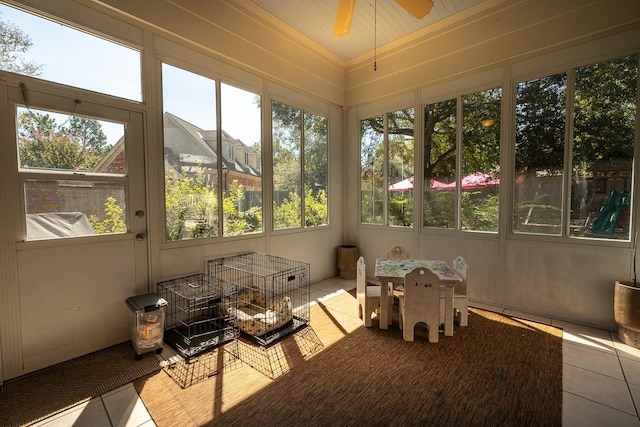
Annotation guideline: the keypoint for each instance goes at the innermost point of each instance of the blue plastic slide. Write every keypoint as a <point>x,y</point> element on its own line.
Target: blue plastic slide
<point>606,221</point>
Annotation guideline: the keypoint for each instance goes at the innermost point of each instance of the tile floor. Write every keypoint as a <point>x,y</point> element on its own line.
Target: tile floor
<point>600,378</point>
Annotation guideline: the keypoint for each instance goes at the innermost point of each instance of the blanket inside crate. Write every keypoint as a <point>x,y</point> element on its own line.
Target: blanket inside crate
<point>256,315</point>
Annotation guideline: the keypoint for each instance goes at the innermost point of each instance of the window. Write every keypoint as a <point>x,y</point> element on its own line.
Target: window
<point>440,164</point>
<point>73,173</point>
<point>601,112</point>
<point>480,167</point>
<point>38,47</point>
<point>539,155</point>
<point>241,182</point>
<point>602,156</point>
<point>372,170</point>
<point>387,169</point>
<point>202,190</point>
<point>474,180</point>
<point>300,167</point>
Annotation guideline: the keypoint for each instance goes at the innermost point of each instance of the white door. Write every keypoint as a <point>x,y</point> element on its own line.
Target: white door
<point>78,220</point>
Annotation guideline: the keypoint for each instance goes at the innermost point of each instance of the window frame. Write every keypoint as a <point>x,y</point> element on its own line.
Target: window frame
<point>386,203</point>
<point>218,81</point>
<point>302,226</point>
<point>565,235</point>
<point>459,123</point>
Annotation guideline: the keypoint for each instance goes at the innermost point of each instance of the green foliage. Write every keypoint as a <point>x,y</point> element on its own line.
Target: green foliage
<point>192,208</point>
<point>237,221</point>
<point>43,143</point>
<point>604,110</point>
<point>113,223</point>
<point>13,43</point>
<point>401,209</point>
<point>439,209</point>
<point>287,213</point>
<point>540,123</point>
<point>188,198</point>
<point>479,212</point>
<point>315,208</point>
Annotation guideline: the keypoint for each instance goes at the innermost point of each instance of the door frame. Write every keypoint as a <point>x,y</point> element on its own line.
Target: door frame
<point>20,90</point>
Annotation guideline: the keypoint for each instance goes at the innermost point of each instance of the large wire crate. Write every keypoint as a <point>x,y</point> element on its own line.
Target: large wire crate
<point>280,357</point>
<point>272,298</point>
<point>197,315</point>
<point>189,371</point>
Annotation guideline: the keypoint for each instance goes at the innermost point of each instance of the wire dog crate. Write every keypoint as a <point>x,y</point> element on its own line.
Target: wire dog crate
<point>272,299</point>
<point>197,315</point>
<point>275,360</point>
<point>189,371</point>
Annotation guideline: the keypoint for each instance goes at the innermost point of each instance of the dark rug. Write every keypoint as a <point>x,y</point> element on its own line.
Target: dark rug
<point>498,371</point>
<point>52,390</point>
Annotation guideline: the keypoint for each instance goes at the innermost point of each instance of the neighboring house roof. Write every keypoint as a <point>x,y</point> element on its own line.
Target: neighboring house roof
<point>188,145</point>
<point>193,144</point>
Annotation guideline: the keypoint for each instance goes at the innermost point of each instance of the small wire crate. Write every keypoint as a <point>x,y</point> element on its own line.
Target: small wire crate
<point>197,315</point>
<point>272,299</point>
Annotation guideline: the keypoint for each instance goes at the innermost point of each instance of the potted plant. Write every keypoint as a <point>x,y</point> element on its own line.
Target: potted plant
<point>626,306</point>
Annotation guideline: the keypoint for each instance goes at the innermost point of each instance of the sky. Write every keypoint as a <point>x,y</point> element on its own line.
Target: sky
<point>74,58</point>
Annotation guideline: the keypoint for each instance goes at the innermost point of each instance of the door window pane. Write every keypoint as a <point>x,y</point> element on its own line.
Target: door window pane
<point>602,156</point>
<point>49,141</point>
<point>372,170</point>
<point>61,54</point>
<point>480,171</point>
<point>190,154</point>
<point>71,208</point>
<point>287,166</point>
<point>400,167</point>
<point>539,155</point>
<point>87,158</point>
<point>440,164</point>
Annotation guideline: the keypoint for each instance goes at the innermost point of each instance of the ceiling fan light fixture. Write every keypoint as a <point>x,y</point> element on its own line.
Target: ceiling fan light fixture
<point>344,16</point>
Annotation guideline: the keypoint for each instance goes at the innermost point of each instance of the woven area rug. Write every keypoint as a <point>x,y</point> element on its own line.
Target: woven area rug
<point>52,390</point>
<point>498,371</point>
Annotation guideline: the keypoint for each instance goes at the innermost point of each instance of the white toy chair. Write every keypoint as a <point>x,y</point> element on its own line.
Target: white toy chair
<point>420,303</point>
<point>368,295</point>
<point>460,301</point>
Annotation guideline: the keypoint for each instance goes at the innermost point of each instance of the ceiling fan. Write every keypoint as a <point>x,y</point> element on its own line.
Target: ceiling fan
<point>344,15</point>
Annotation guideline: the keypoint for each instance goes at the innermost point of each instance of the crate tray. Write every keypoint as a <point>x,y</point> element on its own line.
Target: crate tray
<point>190,348</point>
<point>277,334</point>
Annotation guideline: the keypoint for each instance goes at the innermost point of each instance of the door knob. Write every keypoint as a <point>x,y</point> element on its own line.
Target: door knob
<point>140,236</point>
<point>139,214</point>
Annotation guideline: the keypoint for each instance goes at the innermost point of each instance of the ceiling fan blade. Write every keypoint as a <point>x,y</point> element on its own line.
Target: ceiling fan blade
<point>344,17</point>
<point>418,8</point>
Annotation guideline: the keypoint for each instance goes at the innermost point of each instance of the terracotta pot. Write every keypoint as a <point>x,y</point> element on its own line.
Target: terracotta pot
<point>347,259</point>
<point>626,308</point>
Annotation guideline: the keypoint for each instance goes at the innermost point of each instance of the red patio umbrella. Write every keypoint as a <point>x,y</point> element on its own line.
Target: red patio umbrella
<point>407,184</point>
<point>475,180</point>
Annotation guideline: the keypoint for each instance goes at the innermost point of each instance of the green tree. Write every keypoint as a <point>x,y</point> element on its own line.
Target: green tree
<point>605,110</point>
<point>540,124</point>
<point>88,133</point>
<point>13,43</point>
<point>42,143</point>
